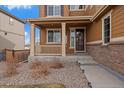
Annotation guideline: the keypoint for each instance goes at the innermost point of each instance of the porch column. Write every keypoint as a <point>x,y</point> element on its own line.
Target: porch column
<point>32,40</point>
<point>63,39</point>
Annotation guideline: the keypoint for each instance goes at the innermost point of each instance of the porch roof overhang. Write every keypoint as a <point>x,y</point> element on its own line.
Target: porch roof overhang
<point>101,12</point>
<point>56,20</point>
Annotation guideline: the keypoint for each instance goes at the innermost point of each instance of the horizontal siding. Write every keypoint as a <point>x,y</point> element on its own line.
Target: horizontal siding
<point>118,21</point>
<point>43,36</point>
<point>66,10</point>
<point>17,27</point>
<point>88,12</point>
<point>94,31</point>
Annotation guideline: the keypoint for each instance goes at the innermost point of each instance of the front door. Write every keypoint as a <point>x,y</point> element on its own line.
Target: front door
<point>79,40</point>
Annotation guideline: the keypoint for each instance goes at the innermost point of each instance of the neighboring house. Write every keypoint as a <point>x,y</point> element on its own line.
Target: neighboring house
<point>12,34</point>
<point>71,29</point>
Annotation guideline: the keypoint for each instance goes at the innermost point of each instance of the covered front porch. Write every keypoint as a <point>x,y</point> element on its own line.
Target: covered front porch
<point>63,36</point>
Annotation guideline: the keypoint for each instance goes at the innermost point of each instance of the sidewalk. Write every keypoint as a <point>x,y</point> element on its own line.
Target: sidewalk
<point>101,76</point>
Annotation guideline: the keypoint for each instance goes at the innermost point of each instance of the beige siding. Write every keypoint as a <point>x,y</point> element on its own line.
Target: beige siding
<point>11,41</point>
<point>42,11</point>
<point>66,10</point>
<point>94,31</point>
<point>15,33</point>
<point>17,27</point>
<point>90,10</point>
<point>118,21</point>
<point>43,36</point>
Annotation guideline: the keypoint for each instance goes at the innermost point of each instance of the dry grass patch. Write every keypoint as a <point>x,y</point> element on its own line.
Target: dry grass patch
<point>39,69</point>
<point>10,69</point>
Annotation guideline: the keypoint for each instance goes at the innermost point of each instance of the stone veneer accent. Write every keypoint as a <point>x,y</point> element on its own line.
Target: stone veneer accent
<point>111,56</point>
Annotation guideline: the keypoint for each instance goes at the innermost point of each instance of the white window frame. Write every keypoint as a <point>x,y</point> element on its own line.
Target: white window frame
<point>53,11</point>
<point>77,9</point>
<point>54,42</point>
<point>108,14</point>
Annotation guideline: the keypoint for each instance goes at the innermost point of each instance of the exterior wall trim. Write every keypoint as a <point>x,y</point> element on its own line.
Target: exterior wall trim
<point>94,42</point>
<point>44,54</point>
<point>116,39</point>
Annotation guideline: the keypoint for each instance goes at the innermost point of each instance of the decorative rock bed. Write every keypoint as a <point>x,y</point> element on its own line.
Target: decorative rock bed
<point>70,76</point>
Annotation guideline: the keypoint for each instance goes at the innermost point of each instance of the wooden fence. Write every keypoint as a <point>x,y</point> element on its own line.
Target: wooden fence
<point>16,55</point>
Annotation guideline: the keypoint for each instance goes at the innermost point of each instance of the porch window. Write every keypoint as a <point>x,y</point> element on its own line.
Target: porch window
<point>106,29</point>
<point>72,38</point>
<point>54,36</point>
<point>53,10</point>
<point>77,7</point>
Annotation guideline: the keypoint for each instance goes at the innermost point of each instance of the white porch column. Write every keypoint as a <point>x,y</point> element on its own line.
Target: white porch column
<point>63,39</point>
<point>32,40</point>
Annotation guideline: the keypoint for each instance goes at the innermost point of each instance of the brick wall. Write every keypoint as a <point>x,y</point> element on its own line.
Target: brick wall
<point>111,56</point>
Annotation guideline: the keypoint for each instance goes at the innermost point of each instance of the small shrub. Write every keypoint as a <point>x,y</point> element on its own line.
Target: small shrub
<point>39,69</point>
<point>35,64</point>
<point>10,69</point>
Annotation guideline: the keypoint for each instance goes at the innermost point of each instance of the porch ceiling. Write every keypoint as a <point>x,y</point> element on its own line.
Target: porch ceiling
<point>58,20</point>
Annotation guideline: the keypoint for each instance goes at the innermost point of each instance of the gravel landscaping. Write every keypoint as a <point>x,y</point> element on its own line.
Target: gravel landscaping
<point>70,76</point>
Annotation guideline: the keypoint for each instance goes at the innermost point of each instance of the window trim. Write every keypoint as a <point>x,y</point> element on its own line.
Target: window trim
<point>56,29</point>
<point>53,11</point>
<point>107,15</point>
<point>77,9</point>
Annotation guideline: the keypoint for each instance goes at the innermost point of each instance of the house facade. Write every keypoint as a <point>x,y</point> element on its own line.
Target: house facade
<point>12,34</point>
<point>61,27</point>
<point>71,29</point>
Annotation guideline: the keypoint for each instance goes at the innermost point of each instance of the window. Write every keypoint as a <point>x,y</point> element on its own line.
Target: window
<point>77,7</point>
<point>54,36</point>
<point>72,38</point>
<point>11,21</point>
<point>106,29</point>
<point>53,10</point>
<point>37,36</point>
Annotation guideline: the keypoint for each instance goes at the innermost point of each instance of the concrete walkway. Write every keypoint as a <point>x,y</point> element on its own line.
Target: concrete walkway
<point>99,75</point>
